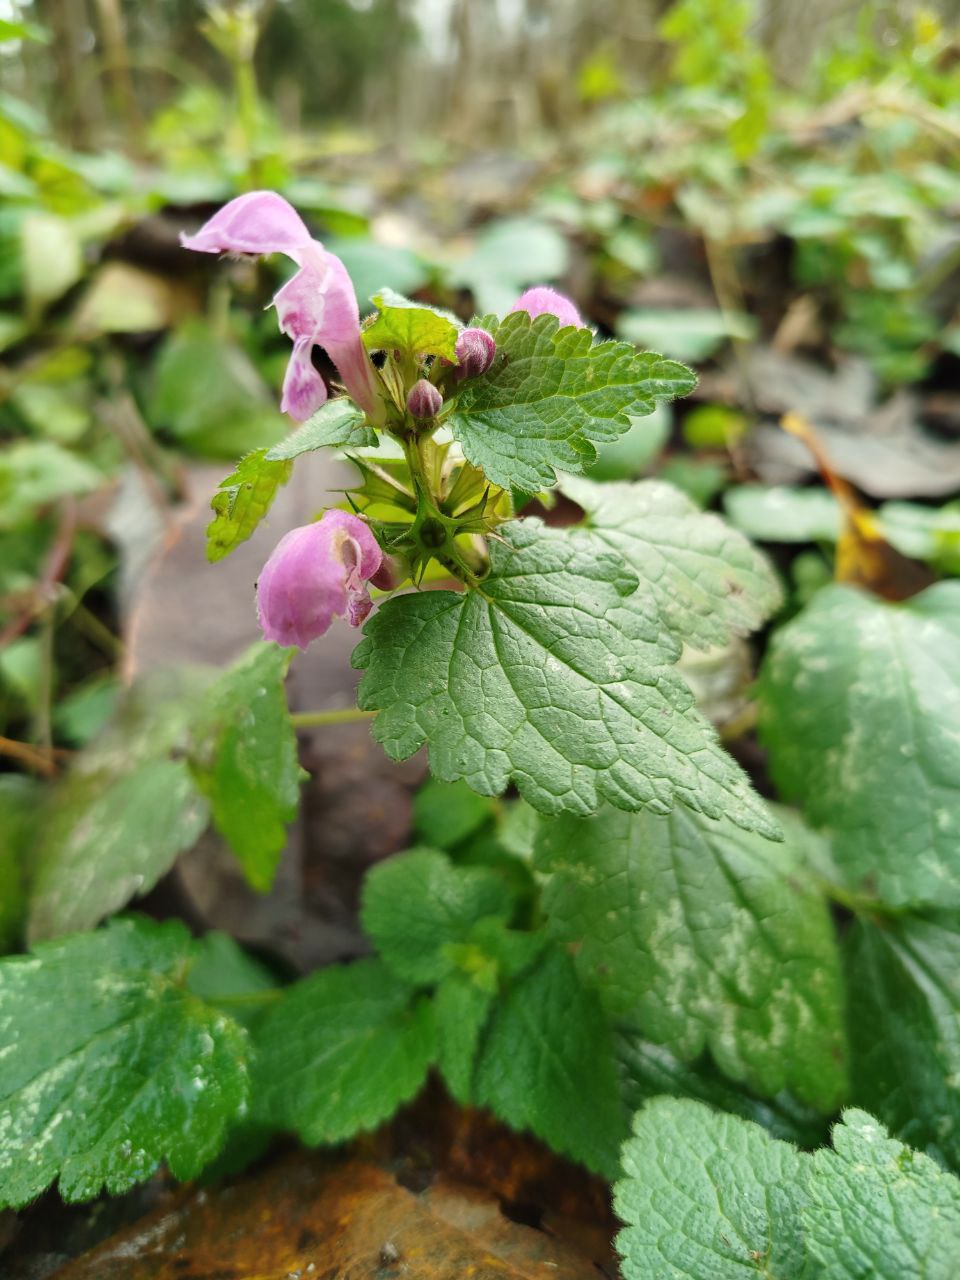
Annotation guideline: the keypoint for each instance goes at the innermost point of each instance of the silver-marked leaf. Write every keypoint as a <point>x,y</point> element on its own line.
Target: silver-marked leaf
<point>704,578</point>
<point>541,677</point>
<point>703,937</point>
<point>859,702</point>
<point>109,1065</point>
<point>551,395</point>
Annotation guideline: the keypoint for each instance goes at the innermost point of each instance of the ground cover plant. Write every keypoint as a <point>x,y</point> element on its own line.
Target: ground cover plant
<point>679,895</point>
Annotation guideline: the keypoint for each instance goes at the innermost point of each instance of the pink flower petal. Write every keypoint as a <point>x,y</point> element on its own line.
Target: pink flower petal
<point>544,301</point>
<point>317,573</point>
<point>304,390</point>
<point>258,222</point>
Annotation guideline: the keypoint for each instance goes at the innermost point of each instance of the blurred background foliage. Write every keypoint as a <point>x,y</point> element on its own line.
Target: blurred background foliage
<point>766,190</point>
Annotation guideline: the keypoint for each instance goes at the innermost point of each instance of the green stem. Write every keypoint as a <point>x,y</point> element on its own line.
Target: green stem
<point>268,996</point>
<point>345,715</point>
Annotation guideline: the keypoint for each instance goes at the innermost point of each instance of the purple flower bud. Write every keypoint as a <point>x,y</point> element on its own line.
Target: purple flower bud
<point>317,573</point>
<point>475,350</point>
<point>543,301</point>
<point>424,400</point>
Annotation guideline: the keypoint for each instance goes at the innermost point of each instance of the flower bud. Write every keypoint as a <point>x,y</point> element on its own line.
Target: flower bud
<point>317,573</point>
<point>424,400</point>
<point>543,301</point>
<point>475,350</point>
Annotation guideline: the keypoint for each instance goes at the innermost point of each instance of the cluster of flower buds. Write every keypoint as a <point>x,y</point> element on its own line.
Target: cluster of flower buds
<point>320,571</point>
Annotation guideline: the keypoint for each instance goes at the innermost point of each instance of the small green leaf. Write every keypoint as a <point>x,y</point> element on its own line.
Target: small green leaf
<point>245,760</point>
<point>878,1209</point>
<point>445,813</point>
<point>341,1052</point>
<point>462,1007</point>
<point>904,1000</point>
<point>704,937</point>
<point>34,473</point>
<point>708,1196</point>
<point>546,1065</point>
<point>338,424</point>
<point>418,903</point>
<point>551,395</point>
<point>223,971</point>
<point>411,327</point>
<point>242,500</point>
<point>858,711</point>
<point>540,676</point>
<point>206,392</point>
<point>109,1065</point>
<point>110,838</point>
<point>123,813</point>
<point>705,579</point>
<point>779,513</point>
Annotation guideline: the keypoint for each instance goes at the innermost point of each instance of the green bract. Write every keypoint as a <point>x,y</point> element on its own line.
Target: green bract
<point>410,327</point>
<point>551,396</point>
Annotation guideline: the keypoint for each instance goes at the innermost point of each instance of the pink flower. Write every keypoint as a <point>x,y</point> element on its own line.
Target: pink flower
<point>317,307</point>
<point>317,573</point>
<point>543,301</point>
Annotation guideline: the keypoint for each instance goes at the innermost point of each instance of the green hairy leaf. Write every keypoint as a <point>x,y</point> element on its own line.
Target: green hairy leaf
<point>708,1196</point>
<point>858,710</point>
<point>109,1065</point>
<point>878,1209</point>
<point>119,819</point>
<point>242,500</point>
<point>245,760</point>
<point>705,579</point>
<point>411,327</point>
<point>109,839</point>
<point>340,1052</point>
<point>418,904</point>
<point>338,424</point>
<point>462,1007</point>
<point>542,677</point>
<point>551,396</point>
<point>904,998</point>
<point>703,936</point>
<point>546,1064</point>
